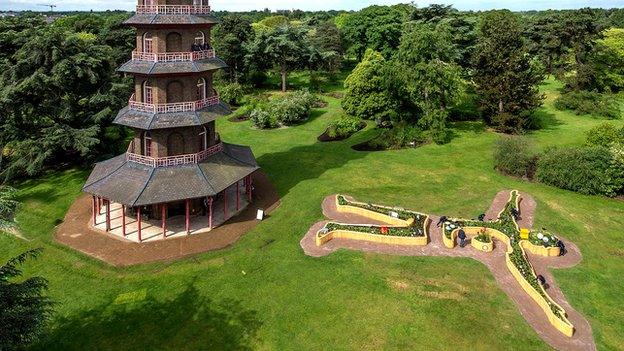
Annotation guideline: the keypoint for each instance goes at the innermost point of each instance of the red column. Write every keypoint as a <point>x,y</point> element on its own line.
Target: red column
<point>163,213</point>
<point>123,220</point>
<point>225,209</point>
<point>108,218</point>
<point>94,210</point>
<point>188,216</point>
<point>237,195</point>
<point>139,223</point>
<point>210,199</point>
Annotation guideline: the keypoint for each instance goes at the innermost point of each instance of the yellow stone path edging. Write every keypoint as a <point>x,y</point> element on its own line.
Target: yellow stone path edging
<point>561,323</point>
<point>323,237</point>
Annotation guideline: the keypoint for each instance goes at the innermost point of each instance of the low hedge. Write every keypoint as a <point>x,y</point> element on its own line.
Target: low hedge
<point>344,127</point>
<point>591,170</point>
<point>514,156</point>
<point>589,103</point>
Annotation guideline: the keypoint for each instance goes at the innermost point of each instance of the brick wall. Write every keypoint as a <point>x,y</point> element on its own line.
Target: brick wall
<point>164,40</point>
<point>173,89</point>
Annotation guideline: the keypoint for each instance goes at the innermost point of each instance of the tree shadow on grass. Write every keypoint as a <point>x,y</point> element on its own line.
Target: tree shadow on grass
<point>289,168</point>
<point>190,321</point>
<point>542,119</point>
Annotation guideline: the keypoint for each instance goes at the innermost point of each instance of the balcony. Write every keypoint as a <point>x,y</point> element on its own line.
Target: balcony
<point>172,107</point>
<point>173,56</point>
<point>172,10</point>
<point>170,161</point>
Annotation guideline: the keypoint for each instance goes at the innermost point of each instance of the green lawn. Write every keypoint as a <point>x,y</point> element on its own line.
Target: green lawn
<point>264,293</point>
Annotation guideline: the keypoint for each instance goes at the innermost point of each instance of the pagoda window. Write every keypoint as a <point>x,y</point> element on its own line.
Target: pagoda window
<point>148,42</point>
<point>147,144</point>
<point>148,96</point>
<point>201,89</point>
<point>148,2</point>
<point>203,139</point>
<point>200,38</point>
<point>200,2</point>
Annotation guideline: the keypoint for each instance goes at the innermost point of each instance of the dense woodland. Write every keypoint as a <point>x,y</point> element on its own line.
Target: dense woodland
<point>411,70</point>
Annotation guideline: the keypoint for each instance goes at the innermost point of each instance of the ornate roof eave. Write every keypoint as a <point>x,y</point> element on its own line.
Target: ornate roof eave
<point>152,121</point>
<point>170,20</point>
<point>167,68</point>
<point>133,184</point>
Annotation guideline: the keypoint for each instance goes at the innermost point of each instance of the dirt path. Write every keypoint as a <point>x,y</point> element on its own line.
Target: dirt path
<point>495,261</point>
<point>76,233</point>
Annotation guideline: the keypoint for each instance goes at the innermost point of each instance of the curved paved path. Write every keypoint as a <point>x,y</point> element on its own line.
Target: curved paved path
<point>495,261</point>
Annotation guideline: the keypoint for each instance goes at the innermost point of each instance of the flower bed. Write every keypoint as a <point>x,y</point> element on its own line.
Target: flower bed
<point>404,227</point>
<point>517,262</point>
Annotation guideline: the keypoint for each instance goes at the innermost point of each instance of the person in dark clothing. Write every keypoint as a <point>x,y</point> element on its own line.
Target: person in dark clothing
<point>562,248</point>
<point>515,213</point>
<point>541,280</point>
<point>462,238</point>
<point>442,220</point>
<point>481,217</point>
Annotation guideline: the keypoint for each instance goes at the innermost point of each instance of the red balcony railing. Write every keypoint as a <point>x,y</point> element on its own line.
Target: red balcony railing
<point>172,107</point>
<point>173,160</point>
<point>172,9</point>
<point>173,56</point>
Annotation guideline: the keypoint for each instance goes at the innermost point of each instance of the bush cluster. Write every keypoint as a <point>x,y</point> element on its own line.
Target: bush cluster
<point>292,108</point>
<point>344,127</point>
<point>605,134</point>
<point>590,170</point>
<point>595,169</point>
<point>513,156</point>
<point>232,93</point>
<point>588,102</point>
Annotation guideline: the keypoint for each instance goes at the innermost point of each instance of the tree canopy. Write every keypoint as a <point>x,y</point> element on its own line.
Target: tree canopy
<point>24,308</point>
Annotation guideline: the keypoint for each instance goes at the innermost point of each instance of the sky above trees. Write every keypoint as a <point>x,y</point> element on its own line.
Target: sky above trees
<point>243,5</point>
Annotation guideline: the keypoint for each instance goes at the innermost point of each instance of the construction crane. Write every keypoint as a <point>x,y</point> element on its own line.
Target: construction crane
<point>51,6</point>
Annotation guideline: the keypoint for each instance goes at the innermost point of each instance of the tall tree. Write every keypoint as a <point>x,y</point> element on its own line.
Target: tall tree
<point>366,93</point>
<point>507,82</point>
<point>326,37</point>
<point>285,49</point>
<point>426,76</point>
<point>24,309</point>
<point>231,35</point>
<point>546,42</point>
<point>58,97</point>
<point>375,27</point>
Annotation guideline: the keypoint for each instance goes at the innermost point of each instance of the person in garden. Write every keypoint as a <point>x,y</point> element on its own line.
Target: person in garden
<point>442,220</point>
<point>462,238</point>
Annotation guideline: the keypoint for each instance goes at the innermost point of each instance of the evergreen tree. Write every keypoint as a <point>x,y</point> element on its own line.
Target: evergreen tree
<point>366,93</point>
<point>507,81</point>
<point>24,309</point>
<point>231,35</point>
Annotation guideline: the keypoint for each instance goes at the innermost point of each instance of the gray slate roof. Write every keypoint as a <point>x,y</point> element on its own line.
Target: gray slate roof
<point>133,184</point>
<point>151,121</point>
<point>144,19</point>
<point>146,67</point>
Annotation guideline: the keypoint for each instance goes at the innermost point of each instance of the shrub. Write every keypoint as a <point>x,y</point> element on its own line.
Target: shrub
<point>261,118</point>
<point>293,108</point>
<point>289,109</point>
<point>513,156</point>
<point>344,127</point>
<point>605,134</point>
<point>587,102</point>
<point>591,170</point>
<point>232,93</point>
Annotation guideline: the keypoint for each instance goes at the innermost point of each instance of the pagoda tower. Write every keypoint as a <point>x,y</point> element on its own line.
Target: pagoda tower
<point>177,177</point>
